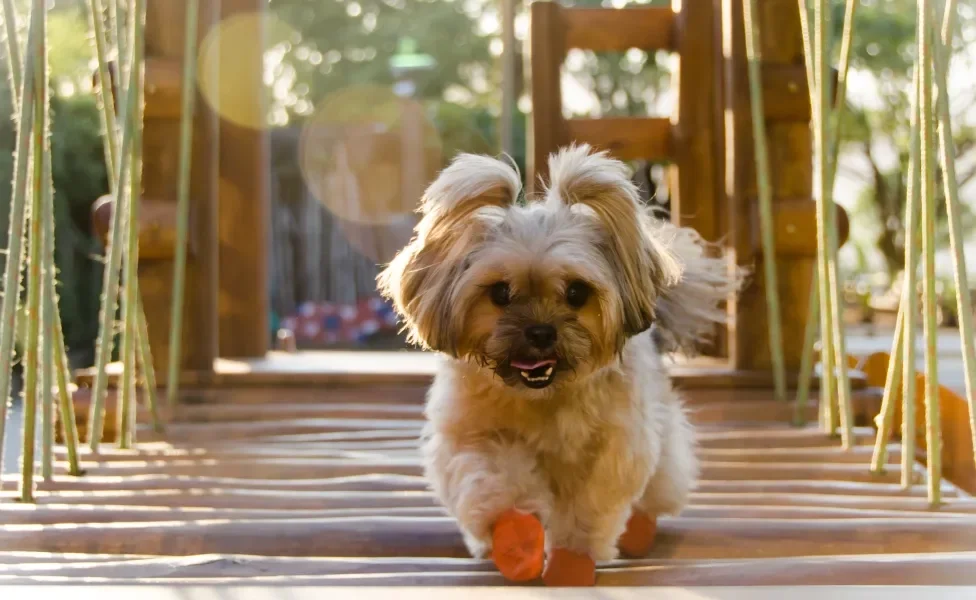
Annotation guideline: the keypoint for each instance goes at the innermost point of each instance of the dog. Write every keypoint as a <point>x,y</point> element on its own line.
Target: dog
<point>552,426</point>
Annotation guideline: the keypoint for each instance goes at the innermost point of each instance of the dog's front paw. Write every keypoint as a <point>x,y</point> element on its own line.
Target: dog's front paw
<point>566,568</point>
<point>518,545</point>
<point>638,538</point>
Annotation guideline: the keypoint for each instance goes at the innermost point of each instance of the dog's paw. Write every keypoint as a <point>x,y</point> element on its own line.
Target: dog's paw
<point>566,568</point>
<point>518,546</point>
<point>638,538</point>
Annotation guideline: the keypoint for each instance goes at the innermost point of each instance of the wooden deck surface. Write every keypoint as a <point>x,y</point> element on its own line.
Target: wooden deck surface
<point>323,486</point>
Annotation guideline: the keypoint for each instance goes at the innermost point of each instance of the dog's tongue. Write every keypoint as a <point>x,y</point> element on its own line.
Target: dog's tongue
<point>528,366</point>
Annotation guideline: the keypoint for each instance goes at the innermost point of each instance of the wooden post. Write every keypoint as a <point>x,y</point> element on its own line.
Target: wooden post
<point>164,54</point>
<point>548,47</point>
<point>696,197</point>
<point>244,192</point>
<point>789,138</point>
<point>696,135</point>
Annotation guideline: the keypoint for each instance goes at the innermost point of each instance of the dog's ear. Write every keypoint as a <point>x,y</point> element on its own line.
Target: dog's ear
<point>421,278</point>
<point>643,266</point>
<point>688,311</point>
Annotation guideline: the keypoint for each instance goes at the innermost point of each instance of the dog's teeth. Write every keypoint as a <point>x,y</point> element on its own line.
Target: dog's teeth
<point>526,375</point>
<point>548,371</point>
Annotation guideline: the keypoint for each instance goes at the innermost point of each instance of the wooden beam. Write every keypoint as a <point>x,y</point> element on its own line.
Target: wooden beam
<point>617,30</point>
<point>626,138</point>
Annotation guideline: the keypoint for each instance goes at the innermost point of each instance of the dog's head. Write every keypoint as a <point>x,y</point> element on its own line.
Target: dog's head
<point>542,293</point>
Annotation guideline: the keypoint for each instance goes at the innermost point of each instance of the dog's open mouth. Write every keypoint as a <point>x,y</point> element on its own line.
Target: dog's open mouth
<point>536,374</point>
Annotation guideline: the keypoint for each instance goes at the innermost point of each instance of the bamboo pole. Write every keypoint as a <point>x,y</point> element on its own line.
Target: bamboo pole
<point>37,56</point>
<point>933,434</point>
<point>773,316</point>
<point>130,303</point>
<point>183,200</point>
<point>100,46</point>
<point>831,320</point>
<point>947,155</point>
<point>18,202</point>
<point>901,365</point>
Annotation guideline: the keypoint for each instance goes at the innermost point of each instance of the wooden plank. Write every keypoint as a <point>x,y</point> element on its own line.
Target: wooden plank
<point>244,195</point>
<point>626,138</point>
<point>678,538</point>
<point>795,225</point>
<point>895,584</point>
<point>548,50</point>
<point>617,30</point>
<point>164,88</point>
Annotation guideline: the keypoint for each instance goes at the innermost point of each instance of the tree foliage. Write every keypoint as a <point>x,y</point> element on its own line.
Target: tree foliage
<point>877,131</point>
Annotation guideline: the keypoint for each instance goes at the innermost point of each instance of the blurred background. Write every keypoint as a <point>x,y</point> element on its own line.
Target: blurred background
<point>368,99</point>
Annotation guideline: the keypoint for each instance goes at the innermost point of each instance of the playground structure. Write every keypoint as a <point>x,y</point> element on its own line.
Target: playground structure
<point>307,464</point>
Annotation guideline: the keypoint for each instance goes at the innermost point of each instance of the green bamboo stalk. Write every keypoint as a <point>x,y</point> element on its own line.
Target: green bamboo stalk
<point>95,16</point>
<point>46,217</point>
<point>912,243</point>
<point>773,312</point>
<point>933,433</point>
<point>101,45</point>
<point>66,406</point>
<point>840,101</point>
<point>947,154</point>
<point>37,56</point>
<point>14,73</point>
<point>110,286</point>
<point>833,345</point>
<point>805,381</point>
<point>812,82</point>
<point>884,420</point>
<point>18,202</point>
<point>183,201</point>
<point>900,367</point>
<point>146,367</point>
<point>14,60</point>
<point>130,302</point>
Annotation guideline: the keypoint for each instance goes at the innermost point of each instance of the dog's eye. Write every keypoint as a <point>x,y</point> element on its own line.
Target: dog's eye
<point>501,294</point>
<point>577,294</point>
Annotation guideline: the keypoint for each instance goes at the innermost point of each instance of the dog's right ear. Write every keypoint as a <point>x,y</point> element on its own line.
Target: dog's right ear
<point>420,280</point>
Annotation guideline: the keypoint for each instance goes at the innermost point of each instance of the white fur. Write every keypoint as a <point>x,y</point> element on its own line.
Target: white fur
<point>610,434</point>
<point>616,440</point>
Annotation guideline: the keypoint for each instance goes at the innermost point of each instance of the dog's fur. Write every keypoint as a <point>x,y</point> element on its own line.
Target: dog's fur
<point>609,433</point>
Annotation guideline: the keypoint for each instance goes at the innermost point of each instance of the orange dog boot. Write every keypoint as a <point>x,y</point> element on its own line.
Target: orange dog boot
<point>639,535</point>
<point>518,545</point>
<point>569,569</point>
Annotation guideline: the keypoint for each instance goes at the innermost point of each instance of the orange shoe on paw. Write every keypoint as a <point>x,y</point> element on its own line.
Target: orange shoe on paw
<point>638,538</point>
<point>569,569</point>
<point>518,545</point>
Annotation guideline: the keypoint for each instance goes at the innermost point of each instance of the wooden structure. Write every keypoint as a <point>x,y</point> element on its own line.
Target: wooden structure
<point>323,485</point>
<point>708,139</point>
<point>308,472</point>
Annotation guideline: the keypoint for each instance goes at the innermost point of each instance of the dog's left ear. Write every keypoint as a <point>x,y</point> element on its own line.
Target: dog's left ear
<point>643,266</point>
<point>421,279</point>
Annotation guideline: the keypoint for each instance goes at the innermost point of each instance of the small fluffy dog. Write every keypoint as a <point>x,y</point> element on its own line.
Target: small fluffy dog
<point>553,428</point>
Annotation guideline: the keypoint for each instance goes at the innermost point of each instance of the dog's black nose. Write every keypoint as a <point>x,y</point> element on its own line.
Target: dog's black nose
<point>541,336</point>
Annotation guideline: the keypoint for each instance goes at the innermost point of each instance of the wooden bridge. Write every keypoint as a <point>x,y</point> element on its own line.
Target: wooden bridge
<point>283,469</point>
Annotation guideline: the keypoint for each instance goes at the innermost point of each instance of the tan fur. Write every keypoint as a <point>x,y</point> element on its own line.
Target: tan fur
<point>609,432</point>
